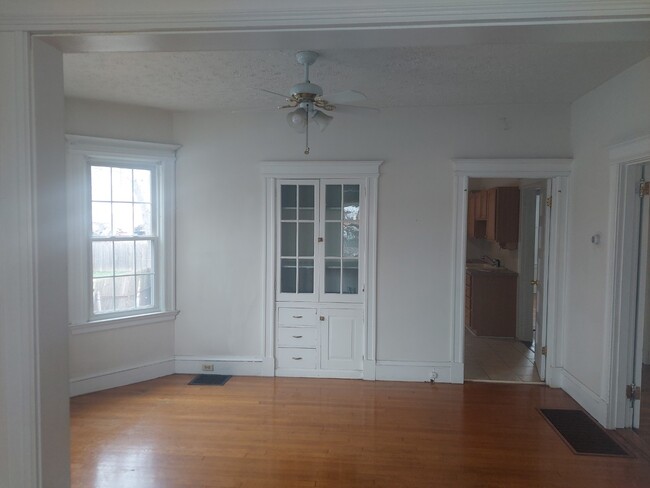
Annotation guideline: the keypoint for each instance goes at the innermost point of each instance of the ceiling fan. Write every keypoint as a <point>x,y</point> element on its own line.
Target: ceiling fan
<point>310,105</point>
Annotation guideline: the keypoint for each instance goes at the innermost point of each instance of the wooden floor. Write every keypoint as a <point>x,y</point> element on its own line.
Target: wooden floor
<point>286,432</point>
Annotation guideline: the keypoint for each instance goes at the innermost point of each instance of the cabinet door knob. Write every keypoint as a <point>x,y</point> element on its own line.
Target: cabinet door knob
<point>297,316</point>
<point>297,337</point>
<point>296,358</point>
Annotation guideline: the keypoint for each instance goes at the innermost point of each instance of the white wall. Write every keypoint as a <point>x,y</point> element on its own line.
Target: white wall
<point>117,121</point>
<point>107,358</point>
<point>617,111</point>
<point>220,214</point>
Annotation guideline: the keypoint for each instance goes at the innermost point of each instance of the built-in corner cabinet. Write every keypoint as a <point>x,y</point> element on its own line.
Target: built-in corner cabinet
<point>321,234</point>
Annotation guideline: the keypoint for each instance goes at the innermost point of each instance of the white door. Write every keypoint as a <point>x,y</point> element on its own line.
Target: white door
<point>341,339</point>
<point>527,265</point>
<point>540,280</point>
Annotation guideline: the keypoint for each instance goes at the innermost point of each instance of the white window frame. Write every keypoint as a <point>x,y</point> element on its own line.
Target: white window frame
<point>82,152</point>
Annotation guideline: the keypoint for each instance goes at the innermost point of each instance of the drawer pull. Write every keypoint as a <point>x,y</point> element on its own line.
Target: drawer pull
<point>297,316</point>
<point>297,337</point>
<point>296,358</point>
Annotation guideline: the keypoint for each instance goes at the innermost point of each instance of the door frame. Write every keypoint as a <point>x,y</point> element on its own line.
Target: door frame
<point>557,171</point>
<point>626,160</point>
<point>368,171</point>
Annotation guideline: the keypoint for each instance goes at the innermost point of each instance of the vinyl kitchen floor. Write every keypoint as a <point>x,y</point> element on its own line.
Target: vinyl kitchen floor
<point>491,359</point>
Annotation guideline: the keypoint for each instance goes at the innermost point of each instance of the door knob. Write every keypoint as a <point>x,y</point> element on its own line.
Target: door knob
<point>534,282</point>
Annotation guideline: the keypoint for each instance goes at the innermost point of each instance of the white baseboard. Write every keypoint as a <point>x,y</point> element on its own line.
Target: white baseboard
<point>234,365</point>
<point>121,377</point>
<point>419,371</point>
<point>319,373</point>
<point>590,401</point>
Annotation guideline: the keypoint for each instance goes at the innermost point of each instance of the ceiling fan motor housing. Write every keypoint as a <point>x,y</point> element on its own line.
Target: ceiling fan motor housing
<point>306,90</point>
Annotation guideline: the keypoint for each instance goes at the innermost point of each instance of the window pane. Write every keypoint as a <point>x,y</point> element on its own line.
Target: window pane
<point>306,200</point>
<point>350,276</point>
<point>288,201</point>
<point>142,185</point>
<point>100,177</point>
<point>332,239</point>
<point>305,276</point>
<point>288,239</point>
<point>122,219</point>
<point>124,258</point>
<point>306,239</point>
<point>332,276</point>
<point>103,295</point>
<point>288,276</point>
<point>142,219</point>
<point>102,259</point>
<point>124,293</point>
<point>144,295</point>
<point>122,184</point>
<point>350,240</point>
<point>332,202</point>
<point>101,219</point>
<point>143,257</point>
<point>351,202</point>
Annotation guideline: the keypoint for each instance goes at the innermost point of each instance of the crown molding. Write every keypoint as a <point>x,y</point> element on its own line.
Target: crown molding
<point>388,14</point>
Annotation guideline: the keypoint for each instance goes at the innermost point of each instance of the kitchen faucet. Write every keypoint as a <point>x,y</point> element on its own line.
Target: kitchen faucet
<point>494,262</point>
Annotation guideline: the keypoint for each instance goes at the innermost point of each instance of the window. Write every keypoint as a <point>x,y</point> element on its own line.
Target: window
<point>124,238</point>
<point>120,219</point>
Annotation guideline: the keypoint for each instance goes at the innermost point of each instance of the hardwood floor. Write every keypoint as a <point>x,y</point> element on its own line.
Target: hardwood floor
<point>286,432</point>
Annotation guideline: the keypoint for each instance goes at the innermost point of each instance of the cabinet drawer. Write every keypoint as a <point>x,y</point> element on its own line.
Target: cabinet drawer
<point>298,336</point>
<point>296,358</point>
<point>296,316</point>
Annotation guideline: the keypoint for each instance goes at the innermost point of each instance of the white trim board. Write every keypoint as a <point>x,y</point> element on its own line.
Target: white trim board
<point>234,365</point>
<point>592,403</point>
<point>440,372</point>
<point>121,377</point>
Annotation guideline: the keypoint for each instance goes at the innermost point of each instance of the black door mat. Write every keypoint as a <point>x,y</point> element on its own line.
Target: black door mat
<point>582,434</point>
<point>210,379</point>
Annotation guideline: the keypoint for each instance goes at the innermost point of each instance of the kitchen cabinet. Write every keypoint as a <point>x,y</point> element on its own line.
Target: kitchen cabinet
<point>477,214</point>
<point>502,224</point>
<point>491,302</point>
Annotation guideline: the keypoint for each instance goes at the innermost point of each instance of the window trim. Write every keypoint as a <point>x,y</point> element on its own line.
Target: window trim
<point>82,152</point>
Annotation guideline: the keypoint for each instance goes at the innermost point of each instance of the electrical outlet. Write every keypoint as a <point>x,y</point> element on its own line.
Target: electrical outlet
<point>207,367</point>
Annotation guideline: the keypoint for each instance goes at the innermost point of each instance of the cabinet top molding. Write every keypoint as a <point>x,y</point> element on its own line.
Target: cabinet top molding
<point>62,15</point>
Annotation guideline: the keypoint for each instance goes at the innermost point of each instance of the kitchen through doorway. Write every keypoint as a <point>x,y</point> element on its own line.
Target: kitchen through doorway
<point>507,235</point>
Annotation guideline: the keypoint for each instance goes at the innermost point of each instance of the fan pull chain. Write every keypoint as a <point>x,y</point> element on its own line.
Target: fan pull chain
<point>307,133</point>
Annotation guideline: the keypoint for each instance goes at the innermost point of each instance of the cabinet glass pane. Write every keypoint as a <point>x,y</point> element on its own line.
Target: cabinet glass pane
<point>305,276</point>
<point>333,202</point>
<point>306,202</point>
<point>333,239</point>
<point>306,239</point>
<point>351,202</point>
<point>350,240</point>
<point>288,239</point>
<point>288,275</point>
<point>350,276</point>
<point>288,202</point>
<point>332,276</point>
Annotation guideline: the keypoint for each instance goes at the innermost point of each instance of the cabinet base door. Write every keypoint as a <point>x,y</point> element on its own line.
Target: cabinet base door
<point>341,340</point>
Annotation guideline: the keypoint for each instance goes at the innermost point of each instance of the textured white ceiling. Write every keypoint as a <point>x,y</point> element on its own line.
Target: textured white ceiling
<point>429,76</point>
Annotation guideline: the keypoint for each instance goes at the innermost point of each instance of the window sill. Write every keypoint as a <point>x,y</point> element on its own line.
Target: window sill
<point>121,322</point>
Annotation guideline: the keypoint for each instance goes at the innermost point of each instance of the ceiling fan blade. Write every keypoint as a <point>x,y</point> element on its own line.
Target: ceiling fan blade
<point>245,110</point>
<point>354,110</point>
<point>349,96</point>
<point>286,97</point>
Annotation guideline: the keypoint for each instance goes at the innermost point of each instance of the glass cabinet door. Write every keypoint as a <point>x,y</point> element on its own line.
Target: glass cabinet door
<point>298,227</point>
<point>341,222</point>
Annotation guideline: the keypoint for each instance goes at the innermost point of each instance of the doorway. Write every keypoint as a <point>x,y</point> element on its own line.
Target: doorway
<point>507,238</point>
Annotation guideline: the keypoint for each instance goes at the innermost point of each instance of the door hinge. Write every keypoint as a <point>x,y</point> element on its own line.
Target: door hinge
<point>549,202</point>
<point>644,188</point>
<point>544,350</point>
<point>633,392</point>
